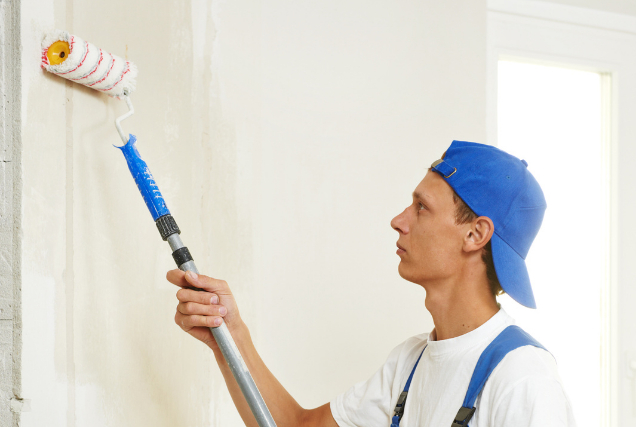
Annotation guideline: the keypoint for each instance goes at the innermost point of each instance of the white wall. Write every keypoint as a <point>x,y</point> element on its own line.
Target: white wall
<point>355,107</point>
<point>284,136</point>
<point>626,7</point>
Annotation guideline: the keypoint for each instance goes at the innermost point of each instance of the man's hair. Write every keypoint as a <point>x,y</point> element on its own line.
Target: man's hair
<point>464,215</point>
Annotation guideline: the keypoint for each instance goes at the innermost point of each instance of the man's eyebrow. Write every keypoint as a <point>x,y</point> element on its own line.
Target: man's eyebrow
<point>421,196</point>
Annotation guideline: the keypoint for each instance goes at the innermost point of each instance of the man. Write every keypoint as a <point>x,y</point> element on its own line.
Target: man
<point>463,239</point>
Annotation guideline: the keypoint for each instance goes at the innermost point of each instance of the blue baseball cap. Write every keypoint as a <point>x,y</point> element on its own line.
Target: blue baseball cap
<point>498,185</point>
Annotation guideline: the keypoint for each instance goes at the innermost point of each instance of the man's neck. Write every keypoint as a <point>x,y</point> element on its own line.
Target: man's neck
<point>459,306</point>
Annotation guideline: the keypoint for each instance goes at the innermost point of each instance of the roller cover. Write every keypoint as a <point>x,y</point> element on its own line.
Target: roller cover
<point>144,180</point>
<point>90,65</point>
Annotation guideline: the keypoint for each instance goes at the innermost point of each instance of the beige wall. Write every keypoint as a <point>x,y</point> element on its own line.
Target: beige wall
<point>284,136</point>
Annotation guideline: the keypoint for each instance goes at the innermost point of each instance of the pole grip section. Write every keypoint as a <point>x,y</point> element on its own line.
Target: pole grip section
<point>181,256</point>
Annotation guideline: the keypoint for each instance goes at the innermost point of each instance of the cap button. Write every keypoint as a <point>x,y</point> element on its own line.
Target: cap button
<point>525,162</point>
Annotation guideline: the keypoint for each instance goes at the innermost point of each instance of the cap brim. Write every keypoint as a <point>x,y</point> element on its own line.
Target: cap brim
<point>512,272</point>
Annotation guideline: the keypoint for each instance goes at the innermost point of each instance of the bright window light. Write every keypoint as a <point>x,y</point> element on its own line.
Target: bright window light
<point>553,118</point>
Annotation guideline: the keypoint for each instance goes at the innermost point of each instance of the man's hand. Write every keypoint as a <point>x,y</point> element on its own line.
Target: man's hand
<point>200,310</point>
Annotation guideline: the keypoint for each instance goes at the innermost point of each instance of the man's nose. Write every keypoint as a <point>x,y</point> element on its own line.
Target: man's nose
<point>399,223</point>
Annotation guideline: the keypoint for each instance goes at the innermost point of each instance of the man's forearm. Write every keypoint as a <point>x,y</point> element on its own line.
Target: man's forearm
<point>284,409</point>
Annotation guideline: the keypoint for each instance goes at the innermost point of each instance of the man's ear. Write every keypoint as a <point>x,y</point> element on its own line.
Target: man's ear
<point>478,234</point>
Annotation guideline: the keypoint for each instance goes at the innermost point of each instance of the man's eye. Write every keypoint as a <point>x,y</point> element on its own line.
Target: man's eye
<point>421,206</point>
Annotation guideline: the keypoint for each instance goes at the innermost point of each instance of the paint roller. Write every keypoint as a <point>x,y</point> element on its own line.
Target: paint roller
<point>79,61</point>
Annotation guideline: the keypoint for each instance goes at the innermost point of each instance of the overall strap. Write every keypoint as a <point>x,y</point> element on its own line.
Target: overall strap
<point>399,410</point>
<point>509,339</point>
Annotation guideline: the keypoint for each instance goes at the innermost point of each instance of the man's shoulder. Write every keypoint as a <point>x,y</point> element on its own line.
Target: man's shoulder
<point>525,366</point>
<point>525,384</point>
<point>419,340</point>
<point>410,348</point>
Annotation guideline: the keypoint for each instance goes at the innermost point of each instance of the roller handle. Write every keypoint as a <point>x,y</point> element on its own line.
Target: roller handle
<point>170,232</point>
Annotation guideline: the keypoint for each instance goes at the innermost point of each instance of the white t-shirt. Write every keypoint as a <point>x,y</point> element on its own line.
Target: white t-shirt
<point>524,390</point>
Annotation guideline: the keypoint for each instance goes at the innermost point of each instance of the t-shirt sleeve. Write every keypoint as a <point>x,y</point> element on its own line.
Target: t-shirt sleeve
<point>534,397</point>
<point>369,403</point>
<point>540,402</point>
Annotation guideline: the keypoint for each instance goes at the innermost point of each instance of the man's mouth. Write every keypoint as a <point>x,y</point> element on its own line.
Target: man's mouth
<point>400,250</point>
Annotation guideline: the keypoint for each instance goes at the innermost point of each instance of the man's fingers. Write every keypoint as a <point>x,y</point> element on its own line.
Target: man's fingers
<point>190,279</point>
<point>188,322</point>
<point>177,278</point>
<point>207,283</point>
<point>191,308</point>
<point>187,295</point>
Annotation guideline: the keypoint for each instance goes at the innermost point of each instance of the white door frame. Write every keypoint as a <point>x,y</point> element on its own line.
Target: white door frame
<point>604,42</point>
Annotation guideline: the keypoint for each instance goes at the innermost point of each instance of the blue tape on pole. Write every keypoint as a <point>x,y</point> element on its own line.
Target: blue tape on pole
<point>144,180</point>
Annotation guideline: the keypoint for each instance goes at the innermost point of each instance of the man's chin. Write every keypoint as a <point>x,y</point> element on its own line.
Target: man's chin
<point>406,275</point>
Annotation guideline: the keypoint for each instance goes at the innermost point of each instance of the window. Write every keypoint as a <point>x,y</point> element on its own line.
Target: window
<point>578,66</point>
<point>553,118</point>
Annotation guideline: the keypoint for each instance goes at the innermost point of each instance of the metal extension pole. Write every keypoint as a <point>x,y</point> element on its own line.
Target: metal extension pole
<point>171,233</point>
<point>232,354</point>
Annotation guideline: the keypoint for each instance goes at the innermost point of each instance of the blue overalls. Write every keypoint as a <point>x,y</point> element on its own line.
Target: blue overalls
<point>510,338</point>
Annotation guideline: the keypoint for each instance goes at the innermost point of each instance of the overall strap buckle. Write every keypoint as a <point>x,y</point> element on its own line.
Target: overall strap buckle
<point>463,417</point>
<point>399,410</point>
